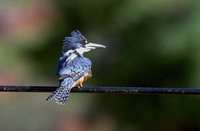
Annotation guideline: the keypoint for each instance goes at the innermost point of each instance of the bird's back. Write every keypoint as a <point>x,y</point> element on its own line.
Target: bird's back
<point>76,68</point>
<point>61,61</point>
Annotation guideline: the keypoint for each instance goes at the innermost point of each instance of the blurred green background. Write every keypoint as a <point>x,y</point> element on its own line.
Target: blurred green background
<point>149,43</point>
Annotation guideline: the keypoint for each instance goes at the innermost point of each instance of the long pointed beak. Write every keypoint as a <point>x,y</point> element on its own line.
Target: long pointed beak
<point>94,46</point>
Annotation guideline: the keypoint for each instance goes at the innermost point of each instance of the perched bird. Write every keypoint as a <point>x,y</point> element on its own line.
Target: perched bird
<point>73,67</point>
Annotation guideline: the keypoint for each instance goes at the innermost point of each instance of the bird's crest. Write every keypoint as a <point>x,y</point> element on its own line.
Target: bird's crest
<point>71,42</point>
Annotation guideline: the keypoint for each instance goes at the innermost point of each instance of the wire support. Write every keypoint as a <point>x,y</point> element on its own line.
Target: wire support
<point>126,90</point>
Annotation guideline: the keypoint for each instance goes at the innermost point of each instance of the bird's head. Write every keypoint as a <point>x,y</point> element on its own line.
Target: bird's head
<point>77,42</point>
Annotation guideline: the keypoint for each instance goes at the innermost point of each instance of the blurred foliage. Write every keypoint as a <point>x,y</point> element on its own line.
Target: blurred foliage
<point>149,43</point>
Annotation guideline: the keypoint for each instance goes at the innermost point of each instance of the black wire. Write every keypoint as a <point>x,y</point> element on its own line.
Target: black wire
<point>129,90</point>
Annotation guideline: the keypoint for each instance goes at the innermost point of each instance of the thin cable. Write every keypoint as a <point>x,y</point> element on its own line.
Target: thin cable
<point>127,90</point>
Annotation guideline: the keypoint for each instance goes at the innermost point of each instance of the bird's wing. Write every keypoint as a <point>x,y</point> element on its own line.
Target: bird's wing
<point>76,68</point>
<point>60,63</point>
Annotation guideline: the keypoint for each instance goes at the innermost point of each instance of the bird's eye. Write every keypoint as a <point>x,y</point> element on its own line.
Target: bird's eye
<point>85,42</point>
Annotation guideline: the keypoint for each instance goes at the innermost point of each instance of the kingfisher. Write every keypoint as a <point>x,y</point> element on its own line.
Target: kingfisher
<point>73,67</point>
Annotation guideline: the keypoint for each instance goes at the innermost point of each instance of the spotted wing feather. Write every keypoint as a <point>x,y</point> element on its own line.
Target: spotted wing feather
<point>69,74</point>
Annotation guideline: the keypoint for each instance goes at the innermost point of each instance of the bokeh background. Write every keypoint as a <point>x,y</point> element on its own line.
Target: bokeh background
<point>149,43</point>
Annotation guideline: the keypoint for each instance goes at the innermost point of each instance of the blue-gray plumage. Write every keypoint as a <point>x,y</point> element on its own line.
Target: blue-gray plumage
<point>73,67</point>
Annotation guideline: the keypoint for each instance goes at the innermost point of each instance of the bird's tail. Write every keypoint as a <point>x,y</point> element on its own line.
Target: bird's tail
<point>61,95</point>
